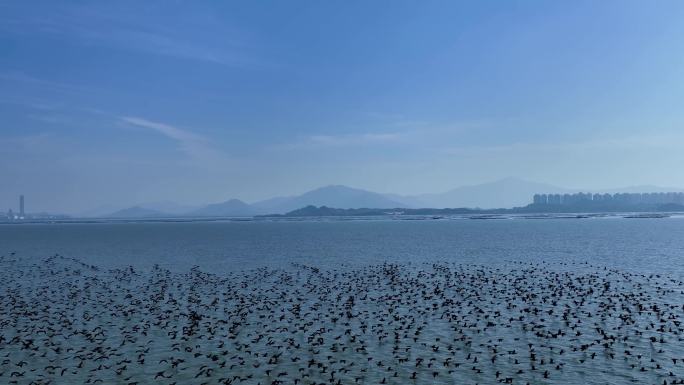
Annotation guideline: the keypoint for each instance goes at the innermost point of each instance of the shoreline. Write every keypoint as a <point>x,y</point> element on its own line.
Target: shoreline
<point>381,217</point>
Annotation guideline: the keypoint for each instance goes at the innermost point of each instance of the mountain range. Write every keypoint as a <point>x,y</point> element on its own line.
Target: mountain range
<point>504,193</point>
<point>332,196</point>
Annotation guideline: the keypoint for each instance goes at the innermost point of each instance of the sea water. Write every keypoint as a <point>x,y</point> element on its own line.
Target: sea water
<point>327,301</point>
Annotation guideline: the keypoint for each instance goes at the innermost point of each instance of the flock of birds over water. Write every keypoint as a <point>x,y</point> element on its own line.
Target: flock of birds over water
<point>63,321</point>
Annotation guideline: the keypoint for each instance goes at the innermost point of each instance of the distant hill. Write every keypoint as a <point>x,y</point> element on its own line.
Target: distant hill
<point>272,205</point>
<point>639,189</point>
<point>136,212</point>
<point>233,207</point>
<point>169,207</point>
<point>407,200</point>
<point>324,211</point>
<point>100,211</point>
<point>504,193</point>
<point>337,196</point>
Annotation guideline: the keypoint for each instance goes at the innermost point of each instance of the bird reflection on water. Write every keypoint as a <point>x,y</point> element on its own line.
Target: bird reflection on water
<point>66,322</point>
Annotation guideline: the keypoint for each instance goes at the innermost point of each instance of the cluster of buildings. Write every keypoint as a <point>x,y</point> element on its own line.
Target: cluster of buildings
<point>21,215</point>
<point>658,198</point>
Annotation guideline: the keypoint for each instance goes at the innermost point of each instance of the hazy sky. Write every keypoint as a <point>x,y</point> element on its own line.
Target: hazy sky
<point>127,102</point>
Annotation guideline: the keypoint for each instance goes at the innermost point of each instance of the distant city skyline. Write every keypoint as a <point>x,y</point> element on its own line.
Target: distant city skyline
<point>661,197</point>
<point>513,191</point>
<point>118,103</point>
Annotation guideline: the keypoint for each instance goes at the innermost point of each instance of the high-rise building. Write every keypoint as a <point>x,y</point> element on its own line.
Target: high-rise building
<point>21,206</point>
<point>554,199</point>
<point>539,199</point>
<point>658,198</point>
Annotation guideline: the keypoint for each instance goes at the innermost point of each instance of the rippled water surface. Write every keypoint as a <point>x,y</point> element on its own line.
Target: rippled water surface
<point>652,244</point>
<point>597,301</point>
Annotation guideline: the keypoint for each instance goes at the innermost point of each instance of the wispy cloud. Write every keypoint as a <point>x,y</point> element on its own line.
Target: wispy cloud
<point>667,140</point>
<point>21,77</point>
<point>317,142</point>
<point>395,134</point>
<point>20,88</point>
<point>38,141</point>
<point>353,139</point>
<point>143,29</point>
<point>158,43</point>
<point>194,145</point>
<point>25,80</point>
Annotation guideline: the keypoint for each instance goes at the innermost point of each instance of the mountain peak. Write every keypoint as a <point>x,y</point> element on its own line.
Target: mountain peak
<point>337,196</point>
<point>334,187</point>
<point>506,192</point>
<point>136,212</point>
<point>501,193</point>
<point>231,207</point>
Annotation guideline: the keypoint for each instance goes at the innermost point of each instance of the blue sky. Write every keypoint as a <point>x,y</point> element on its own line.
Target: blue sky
<point>188,101</point>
